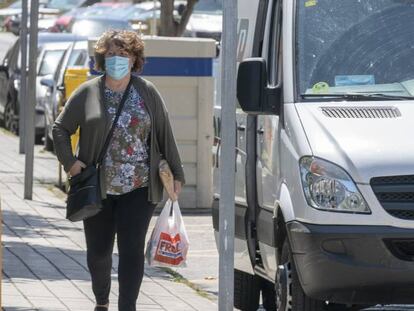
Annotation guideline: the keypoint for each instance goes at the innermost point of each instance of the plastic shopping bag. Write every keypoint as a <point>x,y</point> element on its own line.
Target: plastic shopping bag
<point>168,245</point>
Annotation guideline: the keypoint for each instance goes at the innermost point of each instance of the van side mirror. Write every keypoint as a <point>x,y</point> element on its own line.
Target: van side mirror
<point>253,93</point>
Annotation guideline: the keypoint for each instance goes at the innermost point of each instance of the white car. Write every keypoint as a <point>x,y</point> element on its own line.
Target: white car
<point>206,20</point>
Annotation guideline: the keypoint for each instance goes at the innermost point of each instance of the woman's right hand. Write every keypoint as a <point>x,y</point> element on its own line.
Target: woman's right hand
<point>76,168</point>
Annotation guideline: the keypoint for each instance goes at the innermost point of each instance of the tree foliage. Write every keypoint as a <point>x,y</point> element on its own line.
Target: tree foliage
<point>5,3</point>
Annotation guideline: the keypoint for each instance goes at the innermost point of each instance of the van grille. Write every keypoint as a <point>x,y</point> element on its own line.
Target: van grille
<point>401,248</point>
<point>396,195</point>
<point>361,112</point>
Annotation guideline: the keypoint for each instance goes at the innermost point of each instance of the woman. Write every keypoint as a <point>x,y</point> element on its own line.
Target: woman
<point>129,174</point>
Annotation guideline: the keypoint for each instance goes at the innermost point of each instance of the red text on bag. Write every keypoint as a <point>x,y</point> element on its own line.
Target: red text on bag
<point>169,250</point>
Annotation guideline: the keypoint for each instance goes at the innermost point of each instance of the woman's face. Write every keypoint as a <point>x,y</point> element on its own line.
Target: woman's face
<point>115,50</point>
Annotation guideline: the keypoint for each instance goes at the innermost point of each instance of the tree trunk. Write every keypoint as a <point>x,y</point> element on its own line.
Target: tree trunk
<point>167,23</point>
<point>171,27</point>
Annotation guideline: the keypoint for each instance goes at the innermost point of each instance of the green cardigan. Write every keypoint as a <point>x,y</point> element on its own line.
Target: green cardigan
<point>86,109</point>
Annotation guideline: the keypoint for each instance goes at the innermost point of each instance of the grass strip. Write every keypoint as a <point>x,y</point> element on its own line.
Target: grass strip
<point>178,278</point>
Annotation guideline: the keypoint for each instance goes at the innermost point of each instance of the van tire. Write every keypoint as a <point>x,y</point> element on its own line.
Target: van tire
<point>246,291</point>
<point>289,293</point>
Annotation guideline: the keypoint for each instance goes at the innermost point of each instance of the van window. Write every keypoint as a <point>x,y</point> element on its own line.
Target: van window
<point>50,62</point>
<point>355,46</point>
<point>274,43</point>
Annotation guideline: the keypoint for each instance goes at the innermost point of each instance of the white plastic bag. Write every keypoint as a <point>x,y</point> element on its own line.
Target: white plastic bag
<point>168,245</point>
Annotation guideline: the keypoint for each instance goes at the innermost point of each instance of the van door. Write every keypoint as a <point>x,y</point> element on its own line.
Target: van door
<point>251,20</point>
<point>240,168</point>
<point>267,136</point>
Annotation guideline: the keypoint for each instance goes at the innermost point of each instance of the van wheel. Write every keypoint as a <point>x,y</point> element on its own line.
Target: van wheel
<point>246,291</point>
<point>289,293</point>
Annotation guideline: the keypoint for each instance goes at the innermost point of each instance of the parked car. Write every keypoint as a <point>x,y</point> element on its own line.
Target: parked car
<point>46,21</point>
<point>7,13</point>
<point>206,20</point>
<point>141,16</point>
<point>49,13</point>
<point>67,5</point>
<point>65,21</point>
<point>10,69</point>
<point>95,26</point>
<point>49,59</point>
<point>75,56</point>
<point>10,14</point>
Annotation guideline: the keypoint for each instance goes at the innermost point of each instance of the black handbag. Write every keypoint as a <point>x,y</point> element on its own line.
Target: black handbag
<point>84,196</point>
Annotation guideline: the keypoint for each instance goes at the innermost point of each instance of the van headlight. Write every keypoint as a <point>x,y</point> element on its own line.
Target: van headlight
<point>328,187</point>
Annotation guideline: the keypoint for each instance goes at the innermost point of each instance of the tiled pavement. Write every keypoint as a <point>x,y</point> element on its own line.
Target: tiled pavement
<point>44,262</point>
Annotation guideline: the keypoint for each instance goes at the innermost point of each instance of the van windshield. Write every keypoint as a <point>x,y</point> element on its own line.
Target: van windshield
<point>355,47</point>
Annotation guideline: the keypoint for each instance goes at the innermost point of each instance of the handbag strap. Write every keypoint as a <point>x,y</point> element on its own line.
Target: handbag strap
<point>118,113</point>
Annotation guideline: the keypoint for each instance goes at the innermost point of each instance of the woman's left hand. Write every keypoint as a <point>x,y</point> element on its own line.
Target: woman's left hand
<point>177,188</point>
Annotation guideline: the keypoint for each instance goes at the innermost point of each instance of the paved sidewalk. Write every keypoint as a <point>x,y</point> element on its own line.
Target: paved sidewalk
<point>44,262</point>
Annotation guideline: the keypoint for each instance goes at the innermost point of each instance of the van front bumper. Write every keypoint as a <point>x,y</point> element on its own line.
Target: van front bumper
<point>354,264</point>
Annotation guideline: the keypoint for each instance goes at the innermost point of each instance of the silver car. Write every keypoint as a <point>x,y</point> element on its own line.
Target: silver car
<point>10,69</point>
<point>76,55</point>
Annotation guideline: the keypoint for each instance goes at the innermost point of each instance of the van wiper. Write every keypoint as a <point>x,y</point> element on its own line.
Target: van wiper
<point>359,96</point>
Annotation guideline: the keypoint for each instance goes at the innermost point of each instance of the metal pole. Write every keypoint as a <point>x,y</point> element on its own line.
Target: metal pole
<point>23,76</point>
<point>228,156</point>
<point>31,102</point>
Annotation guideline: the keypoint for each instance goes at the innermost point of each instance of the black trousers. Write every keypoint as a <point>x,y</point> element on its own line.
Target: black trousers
<point>128,217</point>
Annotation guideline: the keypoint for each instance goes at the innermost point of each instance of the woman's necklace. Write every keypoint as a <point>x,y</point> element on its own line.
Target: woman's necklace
<point>117,85</point>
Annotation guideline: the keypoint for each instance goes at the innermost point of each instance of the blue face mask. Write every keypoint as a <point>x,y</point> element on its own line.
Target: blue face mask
<point>117,67</point>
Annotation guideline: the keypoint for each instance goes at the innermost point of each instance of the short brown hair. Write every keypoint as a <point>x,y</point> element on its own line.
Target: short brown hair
<point>128,40</point>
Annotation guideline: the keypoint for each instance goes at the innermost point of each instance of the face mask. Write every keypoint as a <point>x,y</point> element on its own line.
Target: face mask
<point>117,67</point>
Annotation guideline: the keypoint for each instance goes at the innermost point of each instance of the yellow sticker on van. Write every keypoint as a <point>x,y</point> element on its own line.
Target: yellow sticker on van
<point>310,3</point>
<point>320,88</point>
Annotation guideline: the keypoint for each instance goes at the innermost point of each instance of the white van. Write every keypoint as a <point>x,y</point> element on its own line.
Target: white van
<point>325,154</point>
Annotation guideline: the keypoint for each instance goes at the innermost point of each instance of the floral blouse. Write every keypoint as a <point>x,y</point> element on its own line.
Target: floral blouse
<point>127,159</point>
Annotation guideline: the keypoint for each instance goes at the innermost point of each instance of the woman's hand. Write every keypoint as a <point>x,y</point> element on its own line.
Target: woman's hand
<point>76,168</point>
<point>177,188</point>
